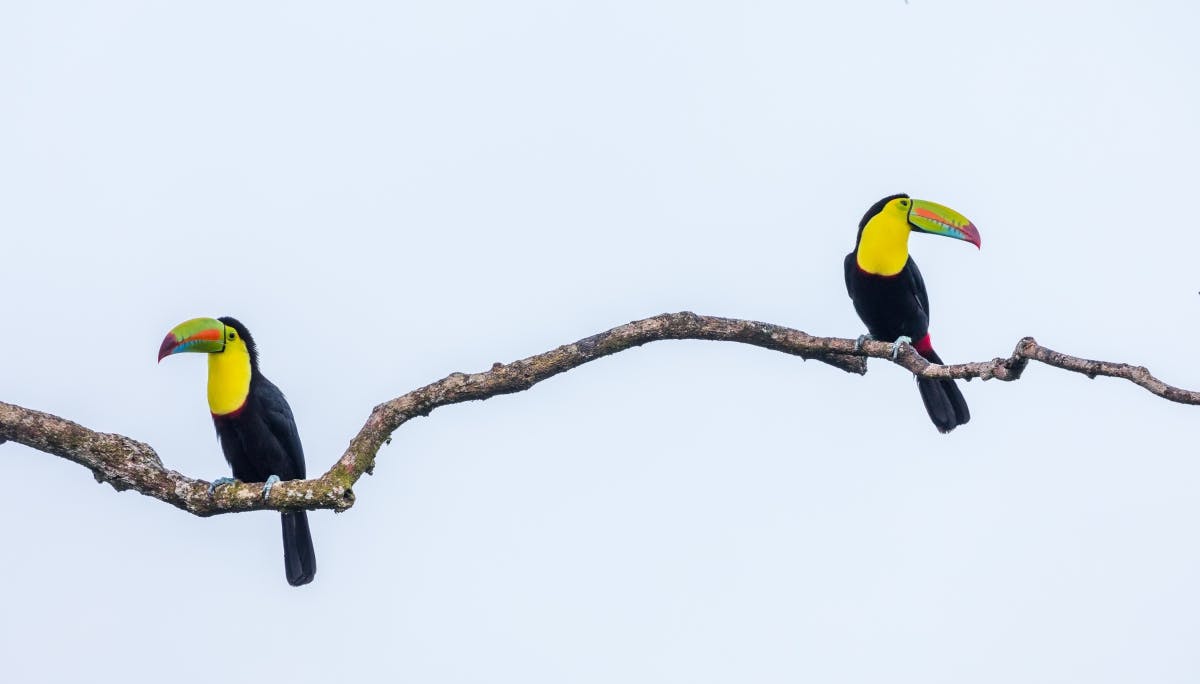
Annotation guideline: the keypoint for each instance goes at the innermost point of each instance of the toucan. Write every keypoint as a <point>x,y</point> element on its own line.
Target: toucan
<point>889,293</point>
<point>254,424</point>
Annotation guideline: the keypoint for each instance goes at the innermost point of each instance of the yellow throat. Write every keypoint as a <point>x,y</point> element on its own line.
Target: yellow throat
<point>883,247</point>
<point>228,377</point>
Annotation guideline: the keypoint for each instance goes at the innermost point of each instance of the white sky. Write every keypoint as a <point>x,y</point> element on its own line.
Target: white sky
<point>388,192</point>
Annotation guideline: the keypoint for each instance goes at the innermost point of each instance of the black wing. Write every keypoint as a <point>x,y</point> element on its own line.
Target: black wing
<point>917,283</point>
<point>849,266</point>
<point>282,425</point>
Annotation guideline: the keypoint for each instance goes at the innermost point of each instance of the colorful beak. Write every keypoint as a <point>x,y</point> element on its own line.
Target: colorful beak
<point>196,335</point>
<point>930,217</point>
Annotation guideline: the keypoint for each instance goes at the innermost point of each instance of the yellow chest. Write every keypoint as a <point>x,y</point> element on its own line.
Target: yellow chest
<point>228,381</point>
<point>883,247</point>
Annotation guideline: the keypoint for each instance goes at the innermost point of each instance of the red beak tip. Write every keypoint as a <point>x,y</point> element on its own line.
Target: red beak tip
<point>167,346</point>
<point>973,236</point>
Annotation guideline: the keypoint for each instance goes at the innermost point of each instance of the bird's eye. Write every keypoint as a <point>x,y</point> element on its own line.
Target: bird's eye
<point>904,203</point>
<point>232,336</point>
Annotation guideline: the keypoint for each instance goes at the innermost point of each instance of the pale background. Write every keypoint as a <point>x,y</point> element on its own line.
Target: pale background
<point>388,192</point>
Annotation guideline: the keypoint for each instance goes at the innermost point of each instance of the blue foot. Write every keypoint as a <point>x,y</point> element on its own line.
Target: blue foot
<point>903,339</point>
<point>268,484</point>
<point>859,342</point>
<point>220,482</point>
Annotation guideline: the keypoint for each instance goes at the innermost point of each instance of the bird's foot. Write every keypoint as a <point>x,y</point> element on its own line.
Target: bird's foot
<point>271,481</point>
<point>220,482</point>
<point>859,342</point>
<point>903,339</point>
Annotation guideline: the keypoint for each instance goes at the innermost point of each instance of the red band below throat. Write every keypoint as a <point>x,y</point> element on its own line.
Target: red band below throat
<point>238,411</point>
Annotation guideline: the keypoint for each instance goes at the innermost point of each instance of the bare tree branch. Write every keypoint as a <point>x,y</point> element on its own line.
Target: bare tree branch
<point>128,464</point>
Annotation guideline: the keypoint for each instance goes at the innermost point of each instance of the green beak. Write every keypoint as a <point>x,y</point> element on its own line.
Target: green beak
<point>196,335</point>
<point>931,217</point>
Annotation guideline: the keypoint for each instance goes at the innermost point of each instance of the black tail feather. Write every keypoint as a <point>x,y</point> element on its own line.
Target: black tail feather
<point>943,401</point>
<point>299,559</point>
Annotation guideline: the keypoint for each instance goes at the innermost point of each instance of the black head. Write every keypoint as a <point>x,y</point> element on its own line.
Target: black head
<point>242,332</point>
<point>875,209</point>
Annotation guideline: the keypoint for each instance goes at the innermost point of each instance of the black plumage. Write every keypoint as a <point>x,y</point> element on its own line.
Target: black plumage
<point>259,440</point>
<point>898,305</point>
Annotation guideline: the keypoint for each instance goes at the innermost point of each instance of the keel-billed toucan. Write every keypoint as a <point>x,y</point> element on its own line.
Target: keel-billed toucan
<point>889,294</point>
<point>254,423</point>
